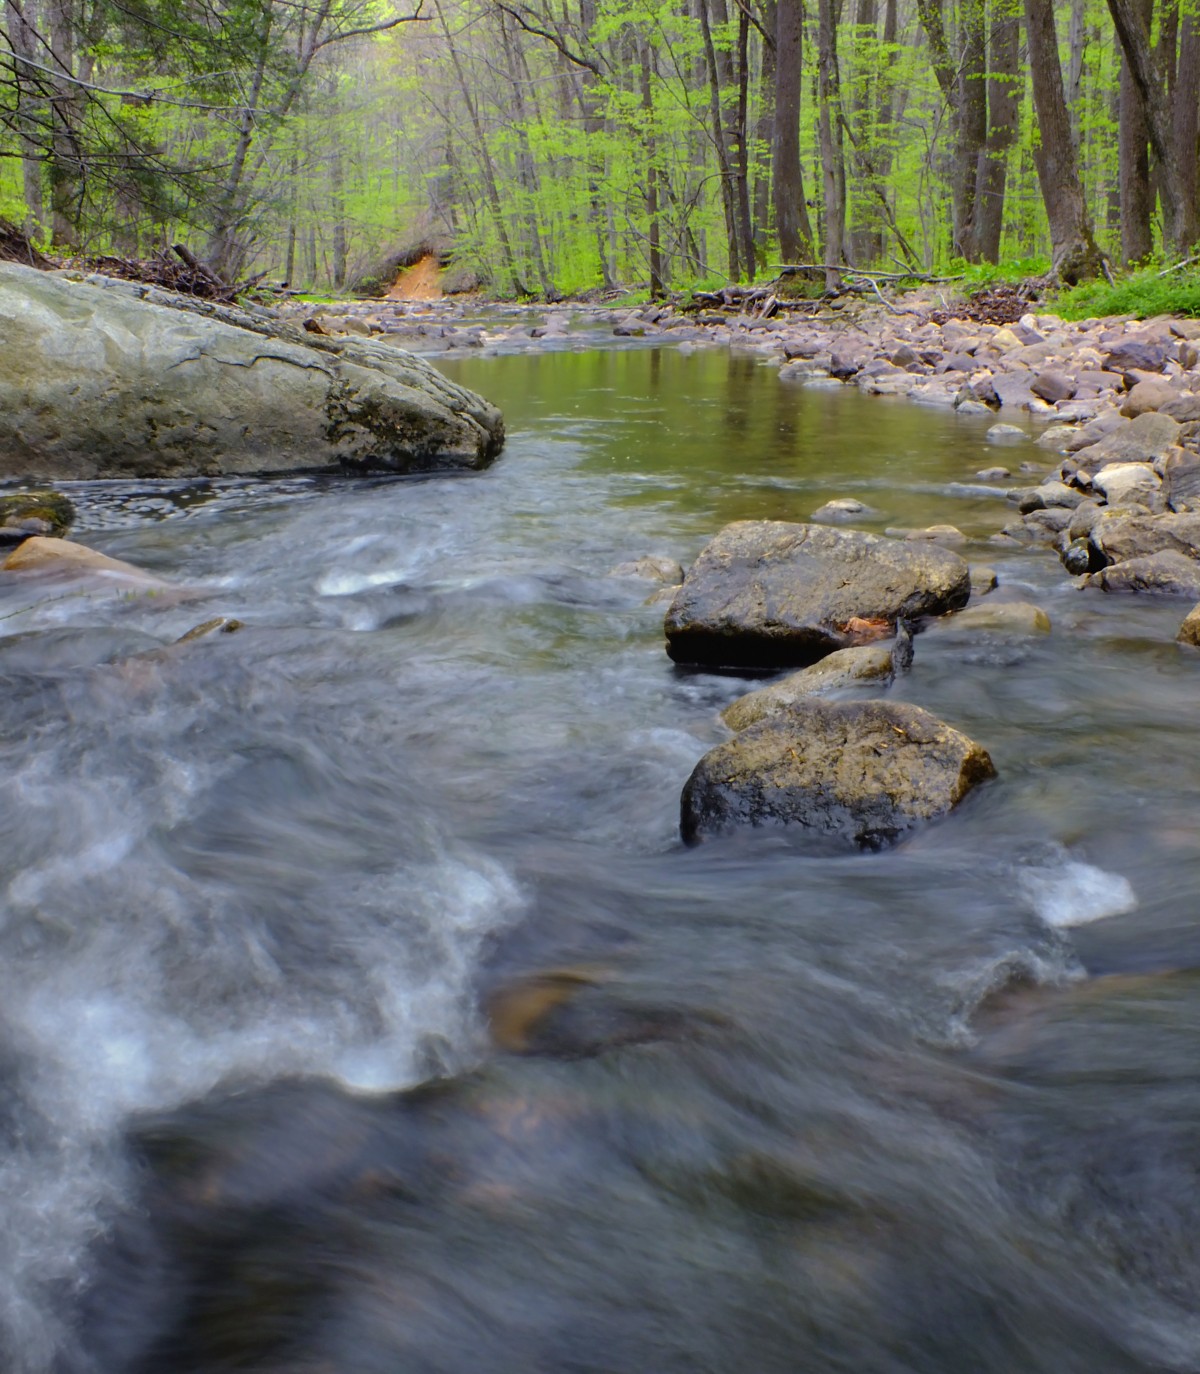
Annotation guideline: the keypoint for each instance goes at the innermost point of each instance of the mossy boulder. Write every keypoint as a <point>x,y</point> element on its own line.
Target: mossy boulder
<point>769,594</point>
<point>860,773</point>
<point>23,513</point>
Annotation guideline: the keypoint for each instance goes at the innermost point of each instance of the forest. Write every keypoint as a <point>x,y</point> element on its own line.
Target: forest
<point>552,147</point>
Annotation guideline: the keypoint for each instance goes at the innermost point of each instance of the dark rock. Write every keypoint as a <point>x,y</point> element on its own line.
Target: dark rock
<point>843,364</point>
<point>1078,557</point>
<point>861,773</point>
<point>771,594</point>
<point>1053,386</point>
<point>904,356</point>
<point>1167,574</point>
<point>1144,355</point>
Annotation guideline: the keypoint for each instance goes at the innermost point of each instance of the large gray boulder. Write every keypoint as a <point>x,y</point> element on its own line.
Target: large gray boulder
<point>1121,536</point>
<point>765,593</point>
<point>100,378</point>
<point>858,772</point>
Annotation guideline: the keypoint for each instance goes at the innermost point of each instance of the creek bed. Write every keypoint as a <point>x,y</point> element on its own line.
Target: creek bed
<point>916,1110</point>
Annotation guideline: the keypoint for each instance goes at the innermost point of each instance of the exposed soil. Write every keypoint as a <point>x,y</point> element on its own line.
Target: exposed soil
<point>418,282</point>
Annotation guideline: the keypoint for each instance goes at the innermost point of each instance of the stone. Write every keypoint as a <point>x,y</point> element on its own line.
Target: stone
<point>772,594</point>
<point>999,617</point>
<point>1092,432</point>
<point>1134,441</point>
<point>23,513</point>
<point>1189,631</point>
<point>983,580</point>
<point>62,557</point>
<point>844,364</point>
<point>933,534</point>
<point>1052,386</point>
<point>1146,355</point>
<point>1121,537</point>
<point>1048,522</point>
<point>1050,495</point>
<point>1057,437</point>
<point>994,474</point>
<point>1181,484</point>
<point>115,379</point>
<point>840,509</point>
<point>871,663</point>
<point>1122,483</point>
<point>1005,434</point>
<point>1149,395</point>
<point>1013,389</point>
<point>1185,408</point>
<point>1167,574</point>
<point>1077,557</point>
<point>972,408</point>
<point>859,773</point>
<point>650,569</point>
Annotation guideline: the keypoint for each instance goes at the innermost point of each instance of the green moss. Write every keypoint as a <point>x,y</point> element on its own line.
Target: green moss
<point>50,507</point>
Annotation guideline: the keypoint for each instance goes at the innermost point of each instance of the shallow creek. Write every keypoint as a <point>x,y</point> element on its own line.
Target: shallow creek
<point>932,1109</point>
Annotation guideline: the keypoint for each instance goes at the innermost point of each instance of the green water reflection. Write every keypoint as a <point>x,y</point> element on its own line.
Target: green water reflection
<point>721,435</point>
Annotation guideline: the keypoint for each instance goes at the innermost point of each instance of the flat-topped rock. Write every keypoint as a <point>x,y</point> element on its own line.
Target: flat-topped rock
<point>101,378</point>
<point>767,593</point>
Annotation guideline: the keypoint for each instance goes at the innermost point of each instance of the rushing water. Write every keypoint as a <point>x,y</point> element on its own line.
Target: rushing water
<point>932,1109</point>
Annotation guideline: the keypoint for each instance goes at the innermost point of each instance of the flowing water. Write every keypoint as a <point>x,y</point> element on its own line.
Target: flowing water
<point>930,1109</point>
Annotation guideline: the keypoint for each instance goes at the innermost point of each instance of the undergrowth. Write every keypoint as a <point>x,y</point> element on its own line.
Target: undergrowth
<point>1142,294</point>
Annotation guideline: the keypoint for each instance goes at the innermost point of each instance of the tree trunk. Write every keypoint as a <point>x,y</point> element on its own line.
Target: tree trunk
<point>1186,101</point>
<point>832,167</point>
<point>658,287</point>
<point>741,130</point>
<point>1004,103</point>
<point>764,137</point>
<point>67,169</point>
<point>972,126</point>
<point>1073,252</point>
<point>21,27</point>
<point>1133,168</point>
<point>1179,210</point>
<point>728,195</point>
<point>791,208</point>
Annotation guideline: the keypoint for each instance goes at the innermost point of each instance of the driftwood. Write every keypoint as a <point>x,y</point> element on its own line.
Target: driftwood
<point>184,273</point>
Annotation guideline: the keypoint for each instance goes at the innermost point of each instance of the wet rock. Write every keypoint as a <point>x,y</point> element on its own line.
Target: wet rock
<point>840,509</point>
<point>106,379</point>
<point>995,474</point>
<point>1045,524</point>
<point>1092,432</point>
<point>1189,631</point>
<point>1004,434</point>
<point>1049,496</point>
<point>650,569</point>
<point>1057,437</point>
<point>1079,557</point>
<point>861,773</point>
<point>771,594</point>
<point>1167,574</point>
<point>1122,483</point>
<point>983,580</point>
<point>999,617</point>
<point>219,625</point>
<point>25,513</point>
<point>870,663</point>
<point>844,364</point>
<point>1143,440</point>
<point>63,558</point>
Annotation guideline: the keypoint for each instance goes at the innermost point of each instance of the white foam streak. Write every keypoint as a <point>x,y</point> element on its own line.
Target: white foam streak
<point>1076,894</point>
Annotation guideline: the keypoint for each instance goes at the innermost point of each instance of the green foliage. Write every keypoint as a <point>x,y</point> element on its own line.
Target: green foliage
<point>977,275</point>
<point>1143,294</point>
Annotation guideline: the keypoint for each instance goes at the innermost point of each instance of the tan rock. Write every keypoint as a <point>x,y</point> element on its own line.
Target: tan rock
<point>66,558</point>
<point>1189,631</point>
<point>845,668</point>
<point>1000,617</point>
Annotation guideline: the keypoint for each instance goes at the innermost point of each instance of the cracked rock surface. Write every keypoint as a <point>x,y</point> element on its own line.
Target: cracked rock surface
<point>101,378</point>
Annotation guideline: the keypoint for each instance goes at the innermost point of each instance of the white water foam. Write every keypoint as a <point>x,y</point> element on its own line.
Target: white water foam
<point>1076,894</point>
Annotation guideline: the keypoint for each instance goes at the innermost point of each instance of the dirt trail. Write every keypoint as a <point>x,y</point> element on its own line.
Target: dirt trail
<point>418,282</point>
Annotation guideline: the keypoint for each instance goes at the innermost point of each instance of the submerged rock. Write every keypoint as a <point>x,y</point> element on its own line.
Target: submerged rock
<point>766,593</point>
<point>101,378</point>
<point>1001,617</point>
<point>859,772</point>
<point>846,668</point>
<point>650,569</point>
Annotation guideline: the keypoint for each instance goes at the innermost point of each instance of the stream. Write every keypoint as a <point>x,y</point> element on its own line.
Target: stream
<point>930,1109</point>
